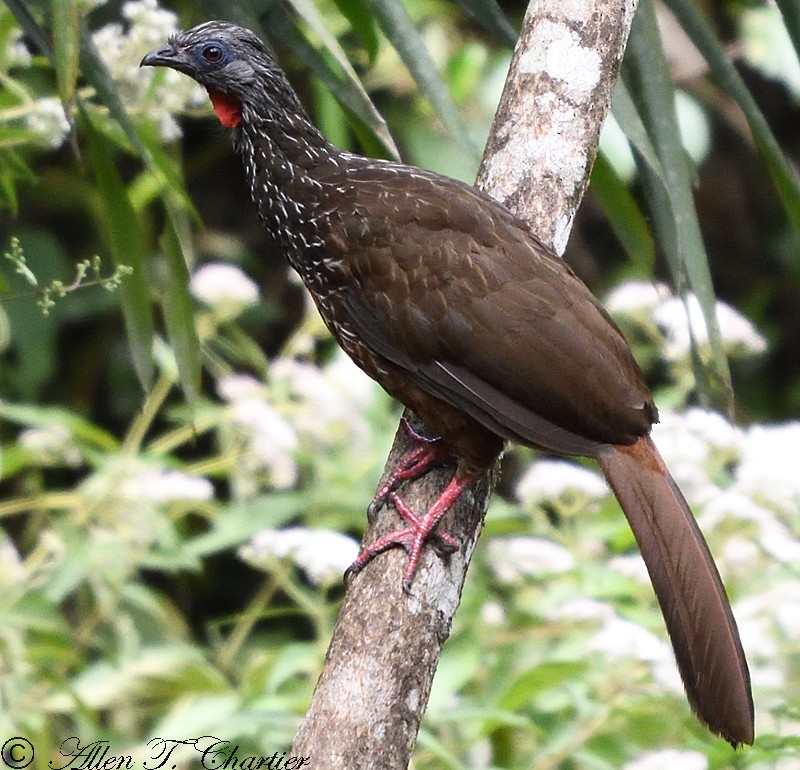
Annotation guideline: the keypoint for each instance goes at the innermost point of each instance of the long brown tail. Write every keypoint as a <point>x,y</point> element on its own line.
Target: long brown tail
<point>692,598</point>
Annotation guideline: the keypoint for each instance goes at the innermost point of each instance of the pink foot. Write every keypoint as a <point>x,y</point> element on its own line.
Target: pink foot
<point>429,453</point>
<point>419,529</point>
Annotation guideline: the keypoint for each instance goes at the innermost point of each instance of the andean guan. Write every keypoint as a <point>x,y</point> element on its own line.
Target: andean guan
<point>449,301</point>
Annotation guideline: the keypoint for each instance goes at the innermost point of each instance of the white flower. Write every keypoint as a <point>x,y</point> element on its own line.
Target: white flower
<point>633,297</point>
<point>492,613</point>
<point>12,569</point>
<point>350,381</point>
<point>551,479</point>
<point>157,94</point>
<point>52,446</point>
<point>225,288</point>
<point>784,599</point>
<point>738,553</point>
<point>767,46</point>
<point>161,485</point>
<point>16,53</point>
<point>674,317</point>
<point>695,445</point>
<point>631,566</point>
<point>237,387</point>
<point>329,403</point>
<point>779,542</point>
<point>149,19</point>
<point>582,609</point>
<point>513,558</point>
<point>619,638</point>
<point>301,406</point>
<point>669,759</point>
<point>735,503</point>
<point>270,440</point>
<point>767,470</point>
<point>713,428</point>
<point>48,121</point>
<point>773,536</point>
<point>322,554</point>
<point>756,619</point>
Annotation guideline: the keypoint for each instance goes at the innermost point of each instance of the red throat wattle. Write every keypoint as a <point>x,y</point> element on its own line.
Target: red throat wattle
<point>227,107</point>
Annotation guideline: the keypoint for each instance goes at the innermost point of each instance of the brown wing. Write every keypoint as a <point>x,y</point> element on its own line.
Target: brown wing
<point>454,289</point>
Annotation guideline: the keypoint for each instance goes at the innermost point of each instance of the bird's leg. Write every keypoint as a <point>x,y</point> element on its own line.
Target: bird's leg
<point>419,529</point>
<point>428,453</point>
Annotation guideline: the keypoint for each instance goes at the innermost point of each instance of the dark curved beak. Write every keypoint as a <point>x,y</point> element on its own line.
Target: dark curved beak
<point>167,56</point>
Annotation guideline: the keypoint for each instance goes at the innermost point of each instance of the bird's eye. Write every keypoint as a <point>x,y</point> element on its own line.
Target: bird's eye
<point>212,53</point>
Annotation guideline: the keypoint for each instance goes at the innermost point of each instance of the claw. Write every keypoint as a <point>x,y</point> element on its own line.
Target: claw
<point>429,453</point>
<point>419,529</point>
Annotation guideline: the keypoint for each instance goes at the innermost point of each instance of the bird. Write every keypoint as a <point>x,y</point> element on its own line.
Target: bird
<point>455,307</point>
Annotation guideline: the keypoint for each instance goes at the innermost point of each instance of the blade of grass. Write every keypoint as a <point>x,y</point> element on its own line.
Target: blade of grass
<point>97,75</point>
<point>404,36</point>
<point>66,46</point>
<point>669,193</point>
<point>490,15</point>
<point>125,241</point>
<point>363,24</point>
<point>36,415</point>
<point>358,100</point>
<point>31,28</point>
<point>351,95</point>
<point>624,214</point>
<point>784,177</point>
<point>178,308</point>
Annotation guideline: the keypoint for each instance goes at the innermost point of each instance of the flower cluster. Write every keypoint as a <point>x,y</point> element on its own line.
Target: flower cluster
<point>681,320</point>
<point>47,120</point>
<point>513,558</point>
<point>53,445</point>
<point>157,93</point>
<point>268,440</point>
<point>300,408</point>
<point>224,288</point>
<point>322,555</point>
<point>559,480</point>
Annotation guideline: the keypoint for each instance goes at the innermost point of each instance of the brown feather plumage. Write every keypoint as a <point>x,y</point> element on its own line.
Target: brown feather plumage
<point>461,313</point>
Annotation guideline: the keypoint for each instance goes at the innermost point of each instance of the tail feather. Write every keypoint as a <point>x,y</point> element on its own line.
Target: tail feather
<point>689,589</point>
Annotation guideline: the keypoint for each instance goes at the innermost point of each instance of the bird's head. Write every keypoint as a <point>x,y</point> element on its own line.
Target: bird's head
<point>230,61</point>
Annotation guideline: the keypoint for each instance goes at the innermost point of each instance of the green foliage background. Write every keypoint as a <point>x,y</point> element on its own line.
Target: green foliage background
<point>131,612</point>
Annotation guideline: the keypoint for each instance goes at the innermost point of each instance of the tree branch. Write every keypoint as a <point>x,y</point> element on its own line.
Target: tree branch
<point>371,696</point>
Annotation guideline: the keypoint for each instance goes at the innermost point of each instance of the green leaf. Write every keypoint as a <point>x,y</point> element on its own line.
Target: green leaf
<point>489,14</point>
<point>238,523</point>
<point>668,186</point>
<point>537,680</point>
<point>341,79</point>
<point>126,244</point>
<point>784,177</point>
<point>66,46</point>
<point>178,309</point>
<point>98,76</point>
<point>38,416</point>
<point>349,91</point>
<point>404,36</point>
<point>158,163</point>
<point>624,214</point>
<point>363,24</point>
<point>31,27</point>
